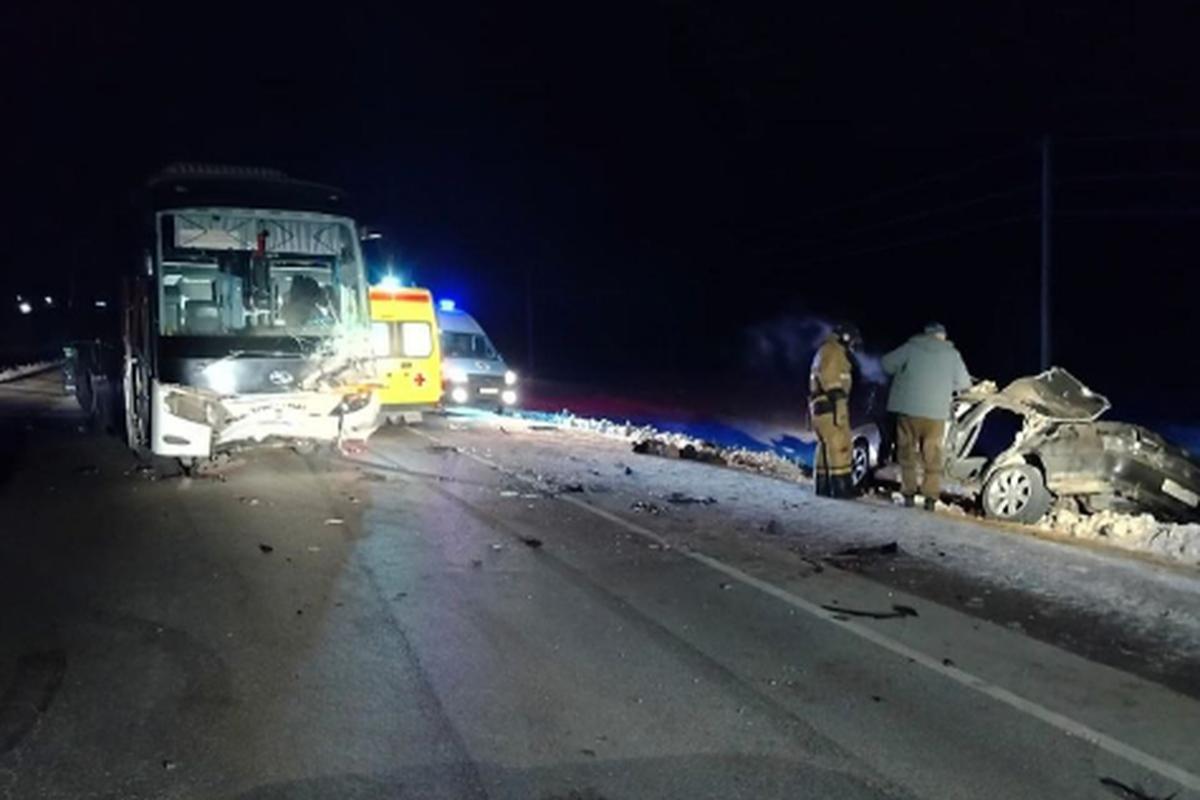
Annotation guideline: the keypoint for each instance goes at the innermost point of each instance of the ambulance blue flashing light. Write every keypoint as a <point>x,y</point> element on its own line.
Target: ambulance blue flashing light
<point>389,282</point>
<point>446,305</point>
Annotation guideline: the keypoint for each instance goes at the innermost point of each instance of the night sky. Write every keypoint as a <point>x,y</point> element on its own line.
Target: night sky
<point>661,181</point>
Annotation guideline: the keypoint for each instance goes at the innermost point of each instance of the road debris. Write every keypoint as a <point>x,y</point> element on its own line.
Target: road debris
<point>641,506</point>
<point>897,612</point>
<point>1131,792</point>
<point>889,549</point>
<point>497,546</point>
<point>313,549</point>
<point>335,521</point>
<point>948,662</point>
<point>249,501</point>
<point>169,765</point>
<point>509,493</point>
<point>531,541</point>
<point>681,499</point>
<point>266,548</point>
<point>571,488</point>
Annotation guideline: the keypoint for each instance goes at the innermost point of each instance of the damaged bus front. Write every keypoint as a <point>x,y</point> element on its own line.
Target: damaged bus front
<point>249,321</point>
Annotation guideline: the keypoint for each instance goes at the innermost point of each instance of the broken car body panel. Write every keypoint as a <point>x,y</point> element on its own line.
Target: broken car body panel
<point>1103,465</point>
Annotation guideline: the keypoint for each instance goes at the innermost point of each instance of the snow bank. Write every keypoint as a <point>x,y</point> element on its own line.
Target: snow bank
<point>677,445</point>
<point>15,372</point>
<point>1141,533</point>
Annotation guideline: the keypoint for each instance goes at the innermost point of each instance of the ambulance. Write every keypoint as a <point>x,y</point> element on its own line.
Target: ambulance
<point>407,350</point>
<point>475,372</point>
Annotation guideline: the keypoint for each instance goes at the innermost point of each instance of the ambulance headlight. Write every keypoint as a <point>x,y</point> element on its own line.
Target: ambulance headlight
<point>510,378</point>
<point>456,375</point>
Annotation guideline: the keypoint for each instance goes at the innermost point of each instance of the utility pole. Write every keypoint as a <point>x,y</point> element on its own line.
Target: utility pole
<point>529,319</point>
<point>1046,214</point>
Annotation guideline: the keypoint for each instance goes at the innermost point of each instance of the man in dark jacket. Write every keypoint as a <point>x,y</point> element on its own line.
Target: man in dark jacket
<point>829,384</point>
<point>926,372</point>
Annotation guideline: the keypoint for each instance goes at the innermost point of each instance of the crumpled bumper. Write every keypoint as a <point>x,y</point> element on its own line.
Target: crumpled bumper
<point>191,422</point>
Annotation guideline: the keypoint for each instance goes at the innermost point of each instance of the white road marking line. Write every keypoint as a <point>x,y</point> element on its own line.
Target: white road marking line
<point>1062,722</point>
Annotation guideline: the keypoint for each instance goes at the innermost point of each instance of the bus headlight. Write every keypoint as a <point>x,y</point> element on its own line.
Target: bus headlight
<point>221,377</point>
<point>456,375</point>
<point>508,397</point>
<point>353,402</point>
<point>510,378</point>
<point>459,395</point>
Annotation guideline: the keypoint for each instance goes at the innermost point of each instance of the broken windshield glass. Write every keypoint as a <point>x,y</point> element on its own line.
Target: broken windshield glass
<point>227,272</point>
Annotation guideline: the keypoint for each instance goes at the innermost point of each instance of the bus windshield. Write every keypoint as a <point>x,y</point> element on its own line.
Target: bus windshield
<point>237,272</point>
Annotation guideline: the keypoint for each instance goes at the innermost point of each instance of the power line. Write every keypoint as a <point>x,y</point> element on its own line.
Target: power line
<point>907,187</point>
<point>1114,177</point>
<point>920,215</point>
<point>923,239</point>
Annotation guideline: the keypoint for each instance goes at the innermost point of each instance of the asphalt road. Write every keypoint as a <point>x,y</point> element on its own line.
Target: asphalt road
<point>444,616</point>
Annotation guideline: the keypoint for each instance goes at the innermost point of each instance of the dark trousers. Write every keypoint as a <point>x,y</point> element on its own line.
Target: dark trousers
<point>919,442</point>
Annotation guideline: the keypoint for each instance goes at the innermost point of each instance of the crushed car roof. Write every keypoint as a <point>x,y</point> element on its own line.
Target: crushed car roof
<point>1056,395</point>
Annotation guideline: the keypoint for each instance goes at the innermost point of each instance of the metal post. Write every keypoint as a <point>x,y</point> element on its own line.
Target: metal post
<point>1046,214</point>
<point>529,364</point>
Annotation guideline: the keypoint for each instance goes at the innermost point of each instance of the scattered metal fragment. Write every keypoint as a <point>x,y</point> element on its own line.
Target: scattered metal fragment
<point>897,612</point>
<point>948,662</point>
<point>648,508</point>
<point>572,488</point>
<point>335,521</point>
<point>531,541</point>
<point>169,765</point>
<point>509,493</point>
<point>1130,792</point>
<point>889,549</point>
<point>682,499</point>
<point>266,548</point>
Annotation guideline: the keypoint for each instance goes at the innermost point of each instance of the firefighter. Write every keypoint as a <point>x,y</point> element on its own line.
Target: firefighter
<point>829,385</point>
<point>926,372</point>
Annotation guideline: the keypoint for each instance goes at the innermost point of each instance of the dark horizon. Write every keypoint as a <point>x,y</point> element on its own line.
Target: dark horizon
<point>658,182</point>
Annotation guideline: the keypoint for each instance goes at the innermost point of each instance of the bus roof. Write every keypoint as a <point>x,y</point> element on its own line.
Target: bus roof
<point>204,185</point>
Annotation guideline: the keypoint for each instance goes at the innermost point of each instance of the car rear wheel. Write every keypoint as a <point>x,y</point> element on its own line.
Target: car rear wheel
<point>860,463</point>
<point>1016,493</point>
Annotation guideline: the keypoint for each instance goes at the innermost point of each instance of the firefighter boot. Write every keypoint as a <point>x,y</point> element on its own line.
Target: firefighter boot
<point>822,484</point>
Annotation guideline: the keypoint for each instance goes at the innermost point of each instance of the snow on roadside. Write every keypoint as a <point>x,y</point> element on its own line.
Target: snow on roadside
<point>23,370</point>
<point>1141,533</point>
<point>677,445</point>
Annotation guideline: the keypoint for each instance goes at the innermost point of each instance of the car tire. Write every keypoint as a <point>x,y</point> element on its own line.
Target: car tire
<point>860,463</point>
<point>1016,493</point>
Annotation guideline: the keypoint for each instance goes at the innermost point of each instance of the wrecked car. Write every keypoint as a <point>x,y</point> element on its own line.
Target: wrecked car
<point>246,319</point>
<point>1053,447</point>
